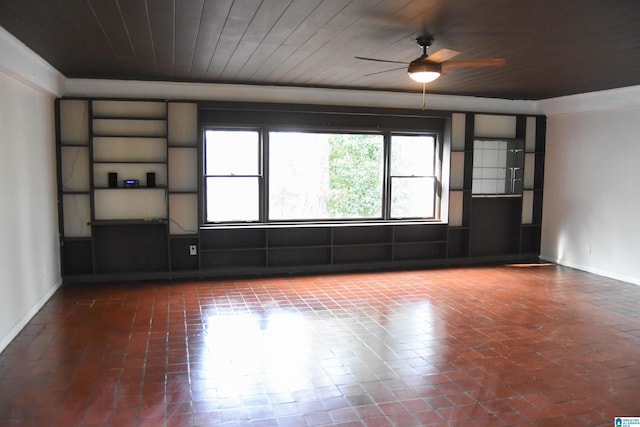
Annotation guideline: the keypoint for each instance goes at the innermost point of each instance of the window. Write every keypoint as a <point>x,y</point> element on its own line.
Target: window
<point>268,175</point>
<point>413,180</point>
<point>232,175</point>
<point>325,176</point>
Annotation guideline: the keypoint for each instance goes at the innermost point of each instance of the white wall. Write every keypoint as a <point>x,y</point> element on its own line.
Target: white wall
<point>29,254</point>
<point>591,207</point>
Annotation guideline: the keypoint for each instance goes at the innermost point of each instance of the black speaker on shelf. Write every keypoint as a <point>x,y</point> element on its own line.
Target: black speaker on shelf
<point>151,179</point>
<point>113,180</point>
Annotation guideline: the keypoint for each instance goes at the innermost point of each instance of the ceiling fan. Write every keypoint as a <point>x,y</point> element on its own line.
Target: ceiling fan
<point>427,68</point>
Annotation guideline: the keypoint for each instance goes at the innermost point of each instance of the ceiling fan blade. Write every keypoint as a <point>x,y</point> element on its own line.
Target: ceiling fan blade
<point>443,55</point>
<point>385,71</point>
<point>380,60</point>
<point>473,63</point>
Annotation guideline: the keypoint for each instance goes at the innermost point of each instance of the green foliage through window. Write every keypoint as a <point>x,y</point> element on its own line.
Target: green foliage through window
<point>355,176</point>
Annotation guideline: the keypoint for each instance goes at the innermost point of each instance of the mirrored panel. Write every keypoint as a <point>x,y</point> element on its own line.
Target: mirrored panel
<point>497,166</point>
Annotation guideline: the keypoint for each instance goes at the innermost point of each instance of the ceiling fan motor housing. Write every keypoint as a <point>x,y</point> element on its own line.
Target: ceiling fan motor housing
<point>425,41</point>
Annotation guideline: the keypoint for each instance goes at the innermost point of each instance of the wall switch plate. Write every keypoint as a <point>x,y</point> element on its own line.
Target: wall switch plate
<point>193,250</point>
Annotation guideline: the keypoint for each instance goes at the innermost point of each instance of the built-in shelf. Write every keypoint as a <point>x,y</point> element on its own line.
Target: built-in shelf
<point>126,162</point>
<point>157,187</point>
<point>109,230</point>
<point>75,192</point>
<point>109,222</point>
<point>322,245</point>
<point>157,232</point>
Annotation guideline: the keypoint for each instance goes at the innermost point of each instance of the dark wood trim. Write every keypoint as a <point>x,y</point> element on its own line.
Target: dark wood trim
<point>318,117</point>
<point>249,272</point>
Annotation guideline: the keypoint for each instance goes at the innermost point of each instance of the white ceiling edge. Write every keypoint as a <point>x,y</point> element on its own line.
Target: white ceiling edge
<point>289,94</point>
<point>626,98</point>
<point>21,63</point>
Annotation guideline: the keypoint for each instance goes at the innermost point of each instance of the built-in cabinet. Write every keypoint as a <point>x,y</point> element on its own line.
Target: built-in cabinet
<point>120,213</point>
<point>498,213</point>
<point>130,203</point>
<point>257,248</point>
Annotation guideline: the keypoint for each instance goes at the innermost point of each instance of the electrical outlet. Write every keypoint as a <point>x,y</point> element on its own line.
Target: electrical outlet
<point>193,250</point>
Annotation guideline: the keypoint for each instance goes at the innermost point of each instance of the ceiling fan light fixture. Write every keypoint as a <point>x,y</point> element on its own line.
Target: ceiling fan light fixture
<point>424,72</point>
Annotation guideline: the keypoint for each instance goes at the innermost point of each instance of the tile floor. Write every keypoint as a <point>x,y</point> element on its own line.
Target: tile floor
<point>490,346</point>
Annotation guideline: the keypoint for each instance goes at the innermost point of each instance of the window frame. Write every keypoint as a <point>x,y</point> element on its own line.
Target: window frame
<point>436,180</point>
<point>259,174</point>
<point>267,153</point>
<point>266,118</point>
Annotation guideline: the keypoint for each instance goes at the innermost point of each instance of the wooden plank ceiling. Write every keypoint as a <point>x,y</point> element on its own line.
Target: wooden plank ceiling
<point>551,47</point>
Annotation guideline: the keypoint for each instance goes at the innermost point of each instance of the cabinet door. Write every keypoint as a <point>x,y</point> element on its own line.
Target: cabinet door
<point>495,226</point>
<point>131,248</point>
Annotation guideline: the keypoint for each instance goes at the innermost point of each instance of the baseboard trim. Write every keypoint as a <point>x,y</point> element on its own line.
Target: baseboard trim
<point>6,340</point>
<point>592,270</point>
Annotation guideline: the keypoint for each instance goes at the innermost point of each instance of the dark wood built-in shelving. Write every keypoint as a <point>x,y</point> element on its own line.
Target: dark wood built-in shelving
<point>103,242</point>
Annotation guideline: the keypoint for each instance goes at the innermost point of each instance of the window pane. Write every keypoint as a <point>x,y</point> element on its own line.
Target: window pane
<point>412,197</point>
<point>325,176</point>
<point>233,199</point>
<point>412,155</point>
<point>232,152</point>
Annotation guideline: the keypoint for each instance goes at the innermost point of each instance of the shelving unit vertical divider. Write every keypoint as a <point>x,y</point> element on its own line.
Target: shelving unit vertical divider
<point>458,237</point>
<point>331,262</point>
<point>56,108</point>
<point>393,243</point>
<point>540,149</point>
<point>521,134</point>
<point>166,193</point>
<point>61,241</point>
<point>59,142</point>
<point>91,185</point>
<point>183,185</point>
<point>200,184</point>
<point>469,130</point>
<point>468,174</point>
<point>267,247</point>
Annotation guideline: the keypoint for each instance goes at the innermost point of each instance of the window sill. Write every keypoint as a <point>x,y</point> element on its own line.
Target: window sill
<point>320,224</point>
<point>496,196</point>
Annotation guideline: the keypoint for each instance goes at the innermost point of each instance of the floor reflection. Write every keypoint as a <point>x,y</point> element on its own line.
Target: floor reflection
<point>248,350</point>
<point>287,351</point>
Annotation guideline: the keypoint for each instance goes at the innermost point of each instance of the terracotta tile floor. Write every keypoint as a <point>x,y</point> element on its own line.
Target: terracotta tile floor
<point>493,346</point>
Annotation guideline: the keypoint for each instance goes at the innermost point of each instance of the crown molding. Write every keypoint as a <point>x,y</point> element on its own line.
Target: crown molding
<point>21,63</point>
<point>626,98</point>
<point>289,94</point>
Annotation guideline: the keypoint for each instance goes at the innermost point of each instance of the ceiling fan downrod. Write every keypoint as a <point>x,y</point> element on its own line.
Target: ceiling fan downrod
<point>424,42</point>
